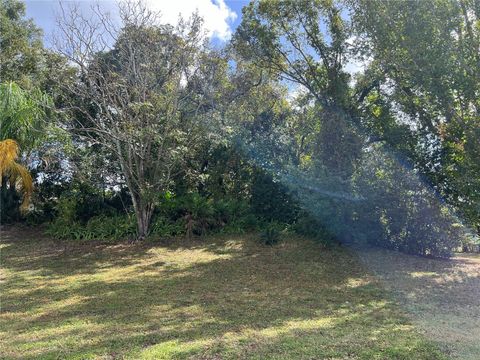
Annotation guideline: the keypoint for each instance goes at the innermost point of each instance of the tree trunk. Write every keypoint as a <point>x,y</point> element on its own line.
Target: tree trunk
<point>143,213</point>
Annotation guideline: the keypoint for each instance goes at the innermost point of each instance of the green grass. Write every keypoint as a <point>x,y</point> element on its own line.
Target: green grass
<point>216,298</point>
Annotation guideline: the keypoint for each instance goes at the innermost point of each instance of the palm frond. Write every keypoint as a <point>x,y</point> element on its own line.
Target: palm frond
<point>22,180</point>
<point>22,113</point>
<point>18,175</point>
<point>9,150</point>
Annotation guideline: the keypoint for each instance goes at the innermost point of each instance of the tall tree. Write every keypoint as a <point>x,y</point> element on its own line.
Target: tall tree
<point>310,43</point>
<point>305,42</point>
<point>425,58</point>
<point>141,91</point>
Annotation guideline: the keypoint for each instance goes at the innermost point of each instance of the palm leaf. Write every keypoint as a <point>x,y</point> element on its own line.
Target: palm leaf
<point>18,176</point>
<point>8,154</point>
<point>22,113</point>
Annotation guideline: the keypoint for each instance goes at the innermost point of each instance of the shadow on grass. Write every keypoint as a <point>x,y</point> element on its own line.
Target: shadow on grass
<point>212,298</point>
<point>441,296</point>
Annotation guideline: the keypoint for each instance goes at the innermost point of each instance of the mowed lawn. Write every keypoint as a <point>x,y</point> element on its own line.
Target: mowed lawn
<point>214,298</point>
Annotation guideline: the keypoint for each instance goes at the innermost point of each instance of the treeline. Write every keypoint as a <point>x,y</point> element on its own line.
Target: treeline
<point>145,129</point>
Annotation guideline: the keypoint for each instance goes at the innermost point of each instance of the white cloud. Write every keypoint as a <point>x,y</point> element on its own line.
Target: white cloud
<point>216,14</point>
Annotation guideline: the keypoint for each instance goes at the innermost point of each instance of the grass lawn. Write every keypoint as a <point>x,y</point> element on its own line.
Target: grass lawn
<point>441,296</point>
<point>214,298</point>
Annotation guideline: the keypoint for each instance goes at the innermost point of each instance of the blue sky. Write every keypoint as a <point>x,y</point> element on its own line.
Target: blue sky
<point>222,16</point>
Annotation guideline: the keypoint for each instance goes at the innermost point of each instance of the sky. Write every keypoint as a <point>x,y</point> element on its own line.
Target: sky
<point>221,16</point>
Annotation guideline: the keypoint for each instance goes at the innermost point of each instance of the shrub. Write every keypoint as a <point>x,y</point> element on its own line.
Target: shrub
<point>9,204</point>
<point>270,235</point>
<point>229,210</point>
<point>195,214</point>
<point>110,227</point>
<point>308,226</point>
<point>99,227</point>
<point>165,227</point>
<point>240,225</point>
<point>233,216</point>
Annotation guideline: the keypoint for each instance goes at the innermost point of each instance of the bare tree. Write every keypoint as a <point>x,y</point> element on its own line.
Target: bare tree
<point>138,92</point>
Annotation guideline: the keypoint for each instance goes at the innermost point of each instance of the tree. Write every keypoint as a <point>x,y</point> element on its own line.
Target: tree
<point>425,57</point>
<point>305,42</point>
<point>21,49</point>
<point>301,41</point>
<point>26,96</point>
<point>309,43</point>
<point>23,115</point>
<point>140,94</point>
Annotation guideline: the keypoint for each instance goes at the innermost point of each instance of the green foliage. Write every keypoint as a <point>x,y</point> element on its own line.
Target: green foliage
<point>270,235</point>
<point>308,226</point>
<point>426,54</point>
<point>271,200</point>
<point>10,201</point>
<point>111,227</point>
<point>402,212</point>
<point>82,201</point>
<point>21,49</point>
<point>240,225</point>
<point>286,38</point>
<point>96,228</point>
<point>67,209</point>
<point>23,114</point>
<point>230,210</point>
<point>83,212</point>
<point>165,227</point>
<point>197,215</point>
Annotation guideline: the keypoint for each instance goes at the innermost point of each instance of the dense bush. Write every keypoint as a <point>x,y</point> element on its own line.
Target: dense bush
<point>402,212</point>
<point>199,215</point>
<point>189,214</point>
<point>165,227</point>
<point>9,204</point>
<point>99,228</point>
<point>392,209</point>
<point>83,212</point>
